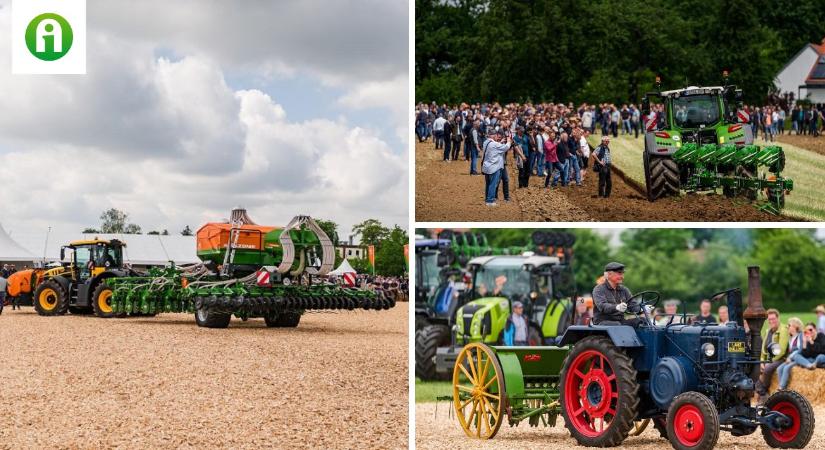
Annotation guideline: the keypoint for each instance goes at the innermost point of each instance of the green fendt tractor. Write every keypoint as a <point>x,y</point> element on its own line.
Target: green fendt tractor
<point>545,285</point>
<point>701,141</point>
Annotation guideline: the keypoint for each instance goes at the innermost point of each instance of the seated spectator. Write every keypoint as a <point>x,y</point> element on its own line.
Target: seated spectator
<point>820,318</point>
<point>813,348</point>
<point>775,333</point>
<point>704,317</point>
<point>671,315</point>
<point>794,346</point>
<point>724,318</point>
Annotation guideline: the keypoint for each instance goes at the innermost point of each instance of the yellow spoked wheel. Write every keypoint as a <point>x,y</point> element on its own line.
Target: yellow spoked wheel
<point>639,427</point>
<point>47,299</point>
<point>50,299</point>
<point>102,301</point>
<point>478,391</point>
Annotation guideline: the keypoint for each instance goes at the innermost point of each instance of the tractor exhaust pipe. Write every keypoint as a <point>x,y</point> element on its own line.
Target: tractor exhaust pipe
<point>755,316</point>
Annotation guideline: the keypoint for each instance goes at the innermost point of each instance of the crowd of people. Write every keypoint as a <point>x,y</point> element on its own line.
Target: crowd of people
<point>549,140</point>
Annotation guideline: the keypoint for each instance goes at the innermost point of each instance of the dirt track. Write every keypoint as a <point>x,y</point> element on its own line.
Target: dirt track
<point>444,191</point>
<point>337,381</point>
<point>439,431</point>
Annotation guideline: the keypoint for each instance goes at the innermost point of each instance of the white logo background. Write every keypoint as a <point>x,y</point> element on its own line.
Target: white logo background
<point>23,11</point>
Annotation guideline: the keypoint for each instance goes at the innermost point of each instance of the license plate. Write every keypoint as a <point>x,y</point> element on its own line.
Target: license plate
<point>736,347</point>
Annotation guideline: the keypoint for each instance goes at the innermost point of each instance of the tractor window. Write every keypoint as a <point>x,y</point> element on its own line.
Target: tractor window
<point>82,256</point>
<point>517,282</point>
<point>693,111</point>
<point>428,268</point>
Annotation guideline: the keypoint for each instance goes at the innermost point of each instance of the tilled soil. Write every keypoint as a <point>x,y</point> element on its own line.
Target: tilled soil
<point>436,428</point>
<point>814,144</point>
<point>446,192</point>
<point>339,380</point>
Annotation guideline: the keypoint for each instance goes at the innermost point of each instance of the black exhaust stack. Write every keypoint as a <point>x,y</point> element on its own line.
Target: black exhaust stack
<point>755,316</point>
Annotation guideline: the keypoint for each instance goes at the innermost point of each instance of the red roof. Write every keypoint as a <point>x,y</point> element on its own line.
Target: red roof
<point>817,72</point>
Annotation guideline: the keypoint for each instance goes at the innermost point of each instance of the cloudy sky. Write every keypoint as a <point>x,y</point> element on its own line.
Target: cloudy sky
<point>190,108</point>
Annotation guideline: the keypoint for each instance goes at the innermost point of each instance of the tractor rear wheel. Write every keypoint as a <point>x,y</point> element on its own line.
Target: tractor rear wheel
<point>599,393</point>
<point>662,176</point>
<point>212,319</point>
<point>50,299</point>
<point>478,391</point>
<point>102,301</point>
<point>427,341</point>
<point>692,422</point>
<point>798,408</point>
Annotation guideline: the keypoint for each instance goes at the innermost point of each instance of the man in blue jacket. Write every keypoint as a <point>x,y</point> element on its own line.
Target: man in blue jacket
<point>515,330</point>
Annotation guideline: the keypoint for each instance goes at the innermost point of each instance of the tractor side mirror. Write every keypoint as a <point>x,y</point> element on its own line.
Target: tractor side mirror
<point>62,253</point>
<point>645,106</point>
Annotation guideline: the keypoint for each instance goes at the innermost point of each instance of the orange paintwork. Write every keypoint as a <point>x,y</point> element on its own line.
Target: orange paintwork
<point>215,236</point>
<point>20,282</point>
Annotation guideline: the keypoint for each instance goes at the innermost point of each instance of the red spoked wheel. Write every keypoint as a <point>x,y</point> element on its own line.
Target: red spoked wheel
<point>799,411</point>
<point>692,422</point>
<point>599,399</point>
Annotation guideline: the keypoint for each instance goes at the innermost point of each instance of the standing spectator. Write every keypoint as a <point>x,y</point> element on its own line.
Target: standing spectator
<point>780,121</point>
<point>756,121</point>
<point>534,154</point>
<point>438,131</point>
<point>522,159</point>
<point>587,119</point>
<point>564,152</point>
<point>775,333</point>
<point>602,165</point>
<point>421,124</point>
<point>493,165</point>
<point>724,318</point>
<point>541,138</point>
<point>584,151</point>
<point>795,344</point>
<point>467,132</point>
<point>446,138</point>
<point>5,272</point>
<point>615,117</point>
<point>625,114</point>
<point>515,330</point>
<point>3,284</point>
<point>635,116</point>
<point>820,318</point>
<point>704,317</point>
<point>814,121</point>
<point>551,159</point>
<point>795,119</point>
<point>476,140</point>
<point>457,135</point>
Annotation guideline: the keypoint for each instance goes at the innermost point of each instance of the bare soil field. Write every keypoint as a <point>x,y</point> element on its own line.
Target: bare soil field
<point>436,428</point>
<point>444,191</point>
<point>339,380</point>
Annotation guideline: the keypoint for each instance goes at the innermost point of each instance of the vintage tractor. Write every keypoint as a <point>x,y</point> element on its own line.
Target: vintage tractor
<point>543,284</point>
<point>691,381</point>
<point>79,286</point>
<point>702,142</point>
<point>247,271</point>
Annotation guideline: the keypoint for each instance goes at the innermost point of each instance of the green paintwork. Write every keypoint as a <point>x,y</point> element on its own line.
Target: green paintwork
<point>272,252</point>
<point>552,318</point>
<point>499,310</point>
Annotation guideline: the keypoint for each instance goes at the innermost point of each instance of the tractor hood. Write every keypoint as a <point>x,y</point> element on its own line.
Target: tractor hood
<point>476,319</point>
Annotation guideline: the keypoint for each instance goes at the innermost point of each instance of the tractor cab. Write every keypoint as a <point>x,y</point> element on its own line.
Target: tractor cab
<point>90,258</point>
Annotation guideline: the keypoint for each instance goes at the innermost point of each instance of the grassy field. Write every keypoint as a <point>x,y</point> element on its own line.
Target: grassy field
<point>805,168</point>
<point>428,391</point>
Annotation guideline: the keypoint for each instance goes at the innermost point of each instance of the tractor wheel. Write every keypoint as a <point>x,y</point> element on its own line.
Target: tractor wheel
<point>797,407</point>
<point>102,301</point>
<point>663,177</point>
<point>599,393</point>
<point>646,160</point>
<point>692,422</point>
<point>50,299</point>
<point>478,391</point>
<point>80,310</point>
<point>427,341</point>
<point>212,319</point>
<point>287,320</point>
<point>421,322</point>
<point>660,424</point>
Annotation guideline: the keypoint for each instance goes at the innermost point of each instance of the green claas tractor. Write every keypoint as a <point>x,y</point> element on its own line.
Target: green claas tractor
<point>543,284</point>
<point>700,140</point>
<point>609,382</point>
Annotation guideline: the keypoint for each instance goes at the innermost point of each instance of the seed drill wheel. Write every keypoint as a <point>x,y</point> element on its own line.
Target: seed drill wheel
<point>478,391</point>
<point>427,341</point>
<point>797,407</point>
<point>50,299</point>
<point>287,319</point>
<point>661,176</point>
<point>102,301</point>
<point>599,395</point>
<point>692,422</point>
<point>212,319</point>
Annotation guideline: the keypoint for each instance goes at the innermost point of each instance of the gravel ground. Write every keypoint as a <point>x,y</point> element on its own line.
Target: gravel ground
<point>435,428</point>
<point>337,381</point>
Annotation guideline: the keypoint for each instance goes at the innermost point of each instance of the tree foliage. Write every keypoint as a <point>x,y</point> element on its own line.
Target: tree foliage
<point>116,221</point>
<point>603,50</point>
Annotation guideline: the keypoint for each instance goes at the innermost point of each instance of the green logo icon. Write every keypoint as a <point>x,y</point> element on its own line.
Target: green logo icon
<point>49,37</point>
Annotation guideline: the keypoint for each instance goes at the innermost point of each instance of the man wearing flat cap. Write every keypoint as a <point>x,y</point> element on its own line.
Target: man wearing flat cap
<point>610,298</point>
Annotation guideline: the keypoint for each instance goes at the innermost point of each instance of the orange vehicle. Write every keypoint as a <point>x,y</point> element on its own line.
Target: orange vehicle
<point>22,284</point>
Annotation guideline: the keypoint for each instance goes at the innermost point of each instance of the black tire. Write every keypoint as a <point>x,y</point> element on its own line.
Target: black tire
<point>80,310</point>
<point>663,177</point>
<point>50,299</point>
<point>646,160</point>
<point>790,403</point>
<point>625,385</point>
<point>212,319</point>
<point>660,424</point>
<point>289,319</point>
<point>427,341</point>
<point>690,408</point>
<point>101,301</point>
<point>420,322</point>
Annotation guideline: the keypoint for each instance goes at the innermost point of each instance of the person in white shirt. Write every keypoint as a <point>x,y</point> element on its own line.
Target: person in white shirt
<point>438,131</point>
<point>585,149</point>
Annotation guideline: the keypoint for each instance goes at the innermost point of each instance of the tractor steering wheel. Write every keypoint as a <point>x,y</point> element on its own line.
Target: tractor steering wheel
<point>651,298</point>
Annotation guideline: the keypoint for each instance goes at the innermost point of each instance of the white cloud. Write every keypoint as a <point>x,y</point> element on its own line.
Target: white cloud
<point>391,95</point>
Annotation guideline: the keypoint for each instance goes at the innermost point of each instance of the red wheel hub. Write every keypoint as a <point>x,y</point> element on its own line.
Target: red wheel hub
<point>689,425</point>
<point>591,393</point>
<point>790,410</point>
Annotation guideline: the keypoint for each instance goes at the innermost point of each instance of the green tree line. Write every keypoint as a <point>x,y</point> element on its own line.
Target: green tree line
<point>603,50</point>
<point>694,264</point>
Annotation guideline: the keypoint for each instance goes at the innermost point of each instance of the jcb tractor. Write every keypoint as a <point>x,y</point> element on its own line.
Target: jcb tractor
<point>79,286</point>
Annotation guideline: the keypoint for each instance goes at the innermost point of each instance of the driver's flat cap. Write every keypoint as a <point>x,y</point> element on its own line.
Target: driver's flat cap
<point>614,267</point>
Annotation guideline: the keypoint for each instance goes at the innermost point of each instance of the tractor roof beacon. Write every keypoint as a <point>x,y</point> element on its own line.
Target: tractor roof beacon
<point>609,382</point>
<point>702,141</point>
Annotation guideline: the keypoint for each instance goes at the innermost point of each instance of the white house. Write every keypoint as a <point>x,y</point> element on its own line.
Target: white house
<point>804,74</point>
